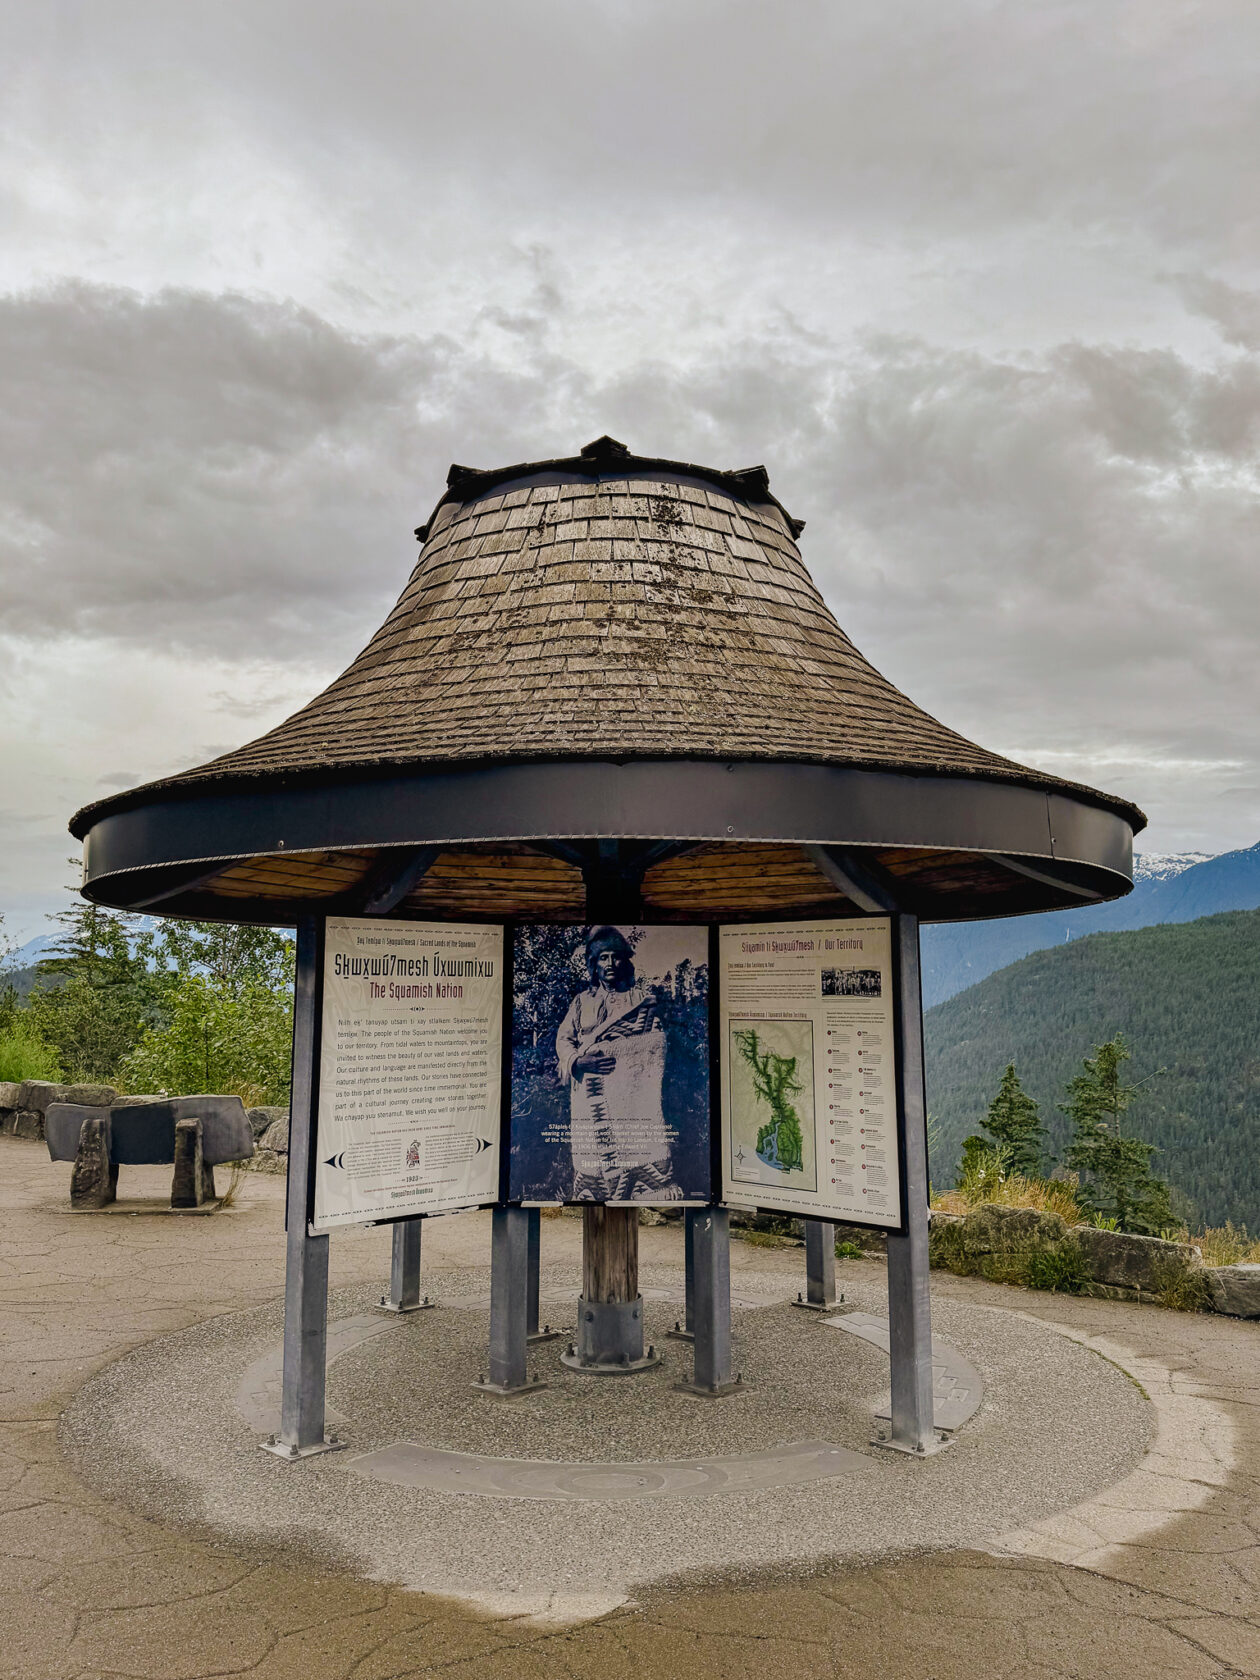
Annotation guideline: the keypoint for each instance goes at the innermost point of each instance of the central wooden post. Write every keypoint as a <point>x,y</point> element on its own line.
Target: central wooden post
<point>610,1313</point>
<point>610,1254</point>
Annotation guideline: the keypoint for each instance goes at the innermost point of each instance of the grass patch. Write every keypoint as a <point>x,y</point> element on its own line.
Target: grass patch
<point>238,1172</point>
<point>987,1181</point>
<point>24,1055</point>
<point>1060,1270</point>
<point>1180,1288</point>
<point>1227,1245</point>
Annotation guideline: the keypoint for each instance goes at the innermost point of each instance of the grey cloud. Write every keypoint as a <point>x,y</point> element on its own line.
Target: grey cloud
<point>1235,313</point>
<point>219,471</point>
<point>1063,543</point>
<point>1138,116</point>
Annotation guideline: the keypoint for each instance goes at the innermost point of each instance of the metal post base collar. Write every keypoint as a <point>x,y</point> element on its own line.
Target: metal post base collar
<point>818,1306</point>
<point>609,1339</point>
<point>609,1367</point>
<point>678,1334</point>
<point>291,1454</point>
<point>388,1306</point>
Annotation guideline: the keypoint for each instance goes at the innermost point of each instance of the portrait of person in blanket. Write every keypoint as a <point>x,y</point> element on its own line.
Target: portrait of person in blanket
<point>621,1085</point>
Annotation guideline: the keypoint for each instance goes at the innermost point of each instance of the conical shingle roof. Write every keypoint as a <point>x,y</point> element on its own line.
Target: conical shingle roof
<point>606,652</point>
<point>607,605</point>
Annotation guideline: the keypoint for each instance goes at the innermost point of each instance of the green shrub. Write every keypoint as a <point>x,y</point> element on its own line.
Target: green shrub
<point>217,1037</point>
<point>1060,1269</point>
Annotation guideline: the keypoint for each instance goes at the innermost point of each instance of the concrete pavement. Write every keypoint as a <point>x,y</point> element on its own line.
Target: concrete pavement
<point>1163,1577</point>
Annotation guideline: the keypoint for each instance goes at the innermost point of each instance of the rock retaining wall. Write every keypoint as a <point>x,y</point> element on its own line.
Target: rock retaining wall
<point>1042,1251</point>
<point>24,1104</point>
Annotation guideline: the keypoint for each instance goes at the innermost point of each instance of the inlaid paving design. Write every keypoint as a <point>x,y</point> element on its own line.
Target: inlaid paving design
<point>408,1464</point>
<point>957,1387</point>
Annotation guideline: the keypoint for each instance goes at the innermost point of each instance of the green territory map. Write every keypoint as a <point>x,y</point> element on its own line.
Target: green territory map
<point>808,1056</point>
<point>772,1100</point>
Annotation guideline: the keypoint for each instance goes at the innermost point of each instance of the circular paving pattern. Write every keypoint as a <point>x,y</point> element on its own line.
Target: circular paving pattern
<point>444,1489</point>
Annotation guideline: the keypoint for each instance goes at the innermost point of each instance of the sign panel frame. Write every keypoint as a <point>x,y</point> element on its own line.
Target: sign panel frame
<point>402,969</point>
<point>785,1017</point>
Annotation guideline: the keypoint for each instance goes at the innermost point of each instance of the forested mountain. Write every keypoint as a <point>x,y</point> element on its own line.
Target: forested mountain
<point>958,955</point>
<point>1185,995</point>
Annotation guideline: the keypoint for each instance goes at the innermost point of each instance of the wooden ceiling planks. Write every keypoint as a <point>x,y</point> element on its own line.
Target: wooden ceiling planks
<point>719,880</point>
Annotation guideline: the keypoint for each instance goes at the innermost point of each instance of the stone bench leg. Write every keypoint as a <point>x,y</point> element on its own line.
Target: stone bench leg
<point>93,1181</point>
<point>192,1184</point>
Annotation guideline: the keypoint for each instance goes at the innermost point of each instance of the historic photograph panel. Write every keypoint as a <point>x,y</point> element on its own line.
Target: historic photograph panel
<point>610,1064</point>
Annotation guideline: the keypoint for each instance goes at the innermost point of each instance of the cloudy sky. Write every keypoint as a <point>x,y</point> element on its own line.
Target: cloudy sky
<point>978,282</point>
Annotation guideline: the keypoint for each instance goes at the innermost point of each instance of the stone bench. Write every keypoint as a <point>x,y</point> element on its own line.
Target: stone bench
<point>191,1134</point>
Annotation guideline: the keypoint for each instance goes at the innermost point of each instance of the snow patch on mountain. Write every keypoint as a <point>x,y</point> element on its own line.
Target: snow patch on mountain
<point>1162,866</point>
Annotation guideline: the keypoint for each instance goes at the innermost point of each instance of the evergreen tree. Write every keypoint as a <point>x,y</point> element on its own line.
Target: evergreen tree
<point>1014,1121</point>
<point>1015,1135</point>
<point>94,992</point>
<point>1117,1181</point>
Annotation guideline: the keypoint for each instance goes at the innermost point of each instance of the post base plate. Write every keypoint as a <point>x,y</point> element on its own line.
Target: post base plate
<point>291,1454</point>
<point>938,1445</point>
<point>739,1386</point>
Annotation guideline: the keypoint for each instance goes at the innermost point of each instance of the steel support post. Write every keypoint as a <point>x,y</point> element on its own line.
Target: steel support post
<point>533,1331</point>
<point>820,1267</point>
<point>534,1215</point>
<point>509,1304</point>
<point>404,1269</point>
<point>306,1257</point>
<point>685,1328</point>
<point>909,1302</point>
<point>711,1374</point>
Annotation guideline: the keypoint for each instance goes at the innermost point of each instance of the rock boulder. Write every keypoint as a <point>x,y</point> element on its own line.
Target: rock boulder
<point>1235,1289</point>
<point>1122,1261</point>
<point>36,1096</point>
<point>993,1229</point>
<point>261,1120</point>
<point>276,1137</point>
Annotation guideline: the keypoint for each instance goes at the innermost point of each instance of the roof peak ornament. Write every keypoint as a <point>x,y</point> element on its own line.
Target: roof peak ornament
<point>604,449</point>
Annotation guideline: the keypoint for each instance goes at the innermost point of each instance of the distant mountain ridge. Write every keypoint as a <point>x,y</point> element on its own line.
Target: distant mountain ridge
<point>1162,866</point>
<point>1170,887</point>
<point>1185,994</point>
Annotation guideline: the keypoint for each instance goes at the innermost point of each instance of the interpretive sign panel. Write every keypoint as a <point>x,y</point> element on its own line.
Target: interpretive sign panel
<point>610,1065</point>
<point>410,1069</point>
<point>808,1071</point>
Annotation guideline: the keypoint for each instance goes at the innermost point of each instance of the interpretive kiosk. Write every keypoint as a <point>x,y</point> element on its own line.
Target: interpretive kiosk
<point>607,858</point>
